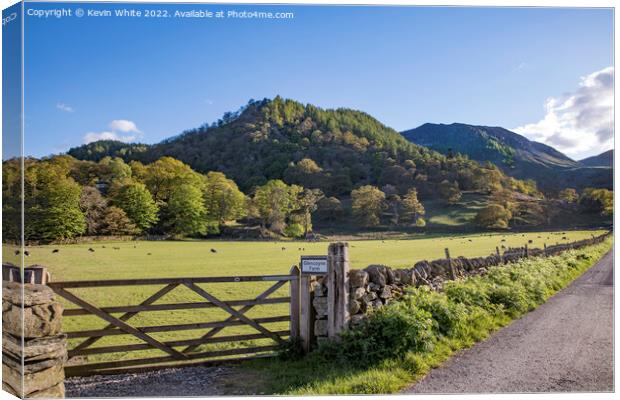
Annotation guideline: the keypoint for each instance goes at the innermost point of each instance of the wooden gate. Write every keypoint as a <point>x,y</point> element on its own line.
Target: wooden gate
<point>175,352</point>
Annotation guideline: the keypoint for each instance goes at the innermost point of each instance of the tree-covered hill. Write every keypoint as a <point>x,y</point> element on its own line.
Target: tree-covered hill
<point>332,150</point>
<point>516,155</point>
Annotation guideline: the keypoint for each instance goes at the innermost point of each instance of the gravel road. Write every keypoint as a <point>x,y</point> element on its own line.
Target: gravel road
<point>171,382</point>
<point>565,345</point>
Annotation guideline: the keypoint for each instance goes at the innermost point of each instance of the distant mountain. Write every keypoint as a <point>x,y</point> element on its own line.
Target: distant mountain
<point>605,159</point>
<point>335,150</point>
<point>515,154</point>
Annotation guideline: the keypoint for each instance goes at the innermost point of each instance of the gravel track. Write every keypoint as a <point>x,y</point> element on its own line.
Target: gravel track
<point>565,345</point>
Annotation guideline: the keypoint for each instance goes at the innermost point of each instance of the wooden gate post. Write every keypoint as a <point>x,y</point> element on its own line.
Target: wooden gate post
<point>450,266</point>
<point>337,288</point>
<point>306,312</point>
<point>295,303</point>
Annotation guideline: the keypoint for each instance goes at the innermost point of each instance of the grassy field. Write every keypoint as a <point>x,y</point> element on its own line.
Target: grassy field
<point>141,259</point>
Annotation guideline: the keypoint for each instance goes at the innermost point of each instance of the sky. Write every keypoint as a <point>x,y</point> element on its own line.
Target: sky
<point>546,73</point>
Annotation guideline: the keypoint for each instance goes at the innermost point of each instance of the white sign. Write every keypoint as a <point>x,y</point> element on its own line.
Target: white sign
<point>314,265</point>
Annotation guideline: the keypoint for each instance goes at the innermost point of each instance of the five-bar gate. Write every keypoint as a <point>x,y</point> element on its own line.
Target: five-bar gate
<point>182,351</point>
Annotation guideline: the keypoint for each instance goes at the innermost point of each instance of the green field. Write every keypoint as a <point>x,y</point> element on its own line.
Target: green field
<point>142,259</point>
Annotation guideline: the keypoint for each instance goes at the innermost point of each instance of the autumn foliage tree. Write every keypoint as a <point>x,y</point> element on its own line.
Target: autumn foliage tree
<point>368,202</point>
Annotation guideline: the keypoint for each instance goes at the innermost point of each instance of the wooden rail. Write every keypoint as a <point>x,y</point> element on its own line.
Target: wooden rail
<point>176,352</point>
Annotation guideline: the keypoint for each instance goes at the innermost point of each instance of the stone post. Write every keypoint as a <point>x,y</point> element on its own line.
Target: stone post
<point>34,349</point>
<point>337,289</point>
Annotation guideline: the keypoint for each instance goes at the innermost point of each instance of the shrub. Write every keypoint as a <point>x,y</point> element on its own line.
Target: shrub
<point>294,230</point>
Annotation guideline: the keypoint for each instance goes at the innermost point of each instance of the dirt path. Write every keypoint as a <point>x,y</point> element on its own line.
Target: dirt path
<point>564,345</point>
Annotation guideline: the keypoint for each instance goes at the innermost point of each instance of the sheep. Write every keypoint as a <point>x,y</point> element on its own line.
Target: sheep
<point>213,251</point>
<point>55,251</point>
<point>91,249</point>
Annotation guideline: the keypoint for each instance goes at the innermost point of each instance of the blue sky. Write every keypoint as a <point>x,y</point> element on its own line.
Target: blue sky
<point>148,79</point>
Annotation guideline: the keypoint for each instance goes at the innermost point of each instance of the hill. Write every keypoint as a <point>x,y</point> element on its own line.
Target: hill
<point>605,159</point>
<point>332,150</point>
<point>516,155</point>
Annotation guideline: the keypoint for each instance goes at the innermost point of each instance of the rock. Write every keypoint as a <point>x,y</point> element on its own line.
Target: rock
<point>377,304</point>
<point>38,321</point>
<point>354,307</point>
<point>35,349</point>
<point>376,274</point>
<point>386,292</point>
<point>32,295</point>
<point>320,290</point>
<point>358,293</point>
<point>368,297</point>
<point>57,391</point>
<point>32,367</point>
<point>373,287</point>
<point>38,381</point>
<point>320,327</point>
<point>389,276</point>
<point>320,306</point>
<point>358,278</point>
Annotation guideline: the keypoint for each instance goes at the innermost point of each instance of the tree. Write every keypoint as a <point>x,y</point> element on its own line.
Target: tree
<point>223,200</point>
<point>368,203</point>
<point>116,222</point>
<point>94,206</point>
<point>569,195</point>
<point>597,201</point>
<point>136,201</point>
<point>185,212</point>
<point>307,204</point>
<point>164,175</point>
<point>274,202</point>
<point>329,208</point>
<point>54,211</point>
<point>449,192</point>
<point>413,208</point>
<point>493,216</point>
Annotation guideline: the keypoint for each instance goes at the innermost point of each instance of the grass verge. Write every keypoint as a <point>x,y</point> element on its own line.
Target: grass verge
<point>400,343</point>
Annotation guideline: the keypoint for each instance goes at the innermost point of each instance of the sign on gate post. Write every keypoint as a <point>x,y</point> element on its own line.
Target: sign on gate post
<point>310,267</point>
<point>314,265</point>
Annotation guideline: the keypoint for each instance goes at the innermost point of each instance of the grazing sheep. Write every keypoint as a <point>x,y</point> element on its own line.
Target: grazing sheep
<point>530,241</point>
<point>103,247</point>
<point>283,248</point>
<point>470,240</point>
<point>148,254</point>
<point>213,251</point>
<point>16,252</point>
<point>116,248</point>
<point>91,249</point>
<point>26,253</point>
<point>55,251</point>
<point>503,240</point>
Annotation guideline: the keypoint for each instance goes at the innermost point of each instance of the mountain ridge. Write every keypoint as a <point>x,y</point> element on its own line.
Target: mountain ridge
<point>515,154</point>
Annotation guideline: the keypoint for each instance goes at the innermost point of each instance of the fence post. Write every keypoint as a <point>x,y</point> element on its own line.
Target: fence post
<point>306,312</point>
<point>527,251</point>
<point>337,288</point>
<point>295,308</point>
<point>452,273</point>
<point>545,248</point>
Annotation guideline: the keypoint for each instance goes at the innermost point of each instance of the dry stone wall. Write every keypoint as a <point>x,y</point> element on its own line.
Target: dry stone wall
<point>377,285</point>
<point>34,316</point>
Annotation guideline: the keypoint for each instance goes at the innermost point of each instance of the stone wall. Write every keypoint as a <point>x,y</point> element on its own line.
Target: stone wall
<point>377,285</point>
<point>36,317</point>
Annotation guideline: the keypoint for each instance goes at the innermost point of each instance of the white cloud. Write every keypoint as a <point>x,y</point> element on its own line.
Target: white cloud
<point>120,129</point>
<point>581,121</point>
<point>64,107</point>
<point>123,125</point>
<point>95,136</point>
